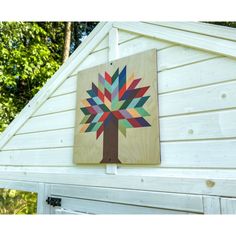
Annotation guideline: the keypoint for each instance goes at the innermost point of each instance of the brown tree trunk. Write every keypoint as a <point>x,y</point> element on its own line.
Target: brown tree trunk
<point>110,142</point>
<point>66,49</point>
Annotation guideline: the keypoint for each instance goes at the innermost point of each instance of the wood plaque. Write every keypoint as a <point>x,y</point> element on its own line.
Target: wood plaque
<point>117,112</point>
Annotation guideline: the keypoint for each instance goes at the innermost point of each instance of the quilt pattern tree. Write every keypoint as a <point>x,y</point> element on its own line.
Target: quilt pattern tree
<point>114,105</point>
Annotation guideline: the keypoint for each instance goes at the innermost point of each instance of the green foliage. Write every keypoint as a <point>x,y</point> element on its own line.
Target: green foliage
<point>27,59</point>
<point>30,53</point>
<point>223,23</point>
<point>17,202</point>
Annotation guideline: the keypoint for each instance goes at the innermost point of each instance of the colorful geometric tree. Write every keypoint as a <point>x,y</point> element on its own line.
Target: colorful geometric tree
<point>115,104</point>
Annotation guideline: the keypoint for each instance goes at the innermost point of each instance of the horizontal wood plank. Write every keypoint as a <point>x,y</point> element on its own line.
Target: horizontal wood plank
<point>202,28</point>
<point>18,185</point>
<point>196,154</point>
<point>197,74</point>
<point>183,202</point>
<point>99,207</point>
<point>125,36</point>
<point>38,157</point>
<point>209,98</point>
<point>57,104</point>
<point>49,122</point>
<point>201,154</point>
<point>177,56</point>
<point>191,181</point>
<point>209,43</point>
<point>49,139</point>
<point>141,44</point>
<point>92,60</point>
<point>102,45</point>
<point>213,125</point>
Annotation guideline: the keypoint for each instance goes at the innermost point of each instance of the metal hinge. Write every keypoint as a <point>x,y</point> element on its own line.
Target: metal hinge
<point>53,201</point>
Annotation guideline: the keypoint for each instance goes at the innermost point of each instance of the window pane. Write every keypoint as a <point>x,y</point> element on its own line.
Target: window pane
<point>17,202</point>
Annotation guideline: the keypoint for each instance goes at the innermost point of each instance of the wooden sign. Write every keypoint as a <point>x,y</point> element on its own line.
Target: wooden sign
<point>117,116</point>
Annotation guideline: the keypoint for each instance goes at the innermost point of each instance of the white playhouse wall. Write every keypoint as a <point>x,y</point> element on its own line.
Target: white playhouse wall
<point>197,102</point>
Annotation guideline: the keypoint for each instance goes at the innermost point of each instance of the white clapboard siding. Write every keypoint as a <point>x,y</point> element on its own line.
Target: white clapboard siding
<point>48,139</point>
<point>213,125</point>
<point>99,207</point>
<point>102,45</point>
<point>196,154</point>
<point>199,41</point>
<point>57,104</point>
<point>183,202</point>
<point>228,205</point>
<point>207,182</point>
<point>172,57</point>
<point>124,36</point>
<point>178,56</point>
<point>203,28</point>
<point>198,74</point>
<point>39,157</point>
<point>141,44</point>
<point>68,86</point>
<point>205,154</point>
<point>94,59</point>
<point>209,98</point>
<point>18,185</point>
<point>49,122</point>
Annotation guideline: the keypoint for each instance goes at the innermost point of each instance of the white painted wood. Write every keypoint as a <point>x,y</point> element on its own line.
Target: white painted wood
<point>209,98</point>
<point>48,139</point>
<point>208,43</point>
<point>93,59</point>
<point>219,96</point>
<point>153,179</point>
<point>170,58</point>
<point>183,202</point>
<point>228,205</point>
<point>211,205</point>
<point>111,169</point>
<point>141,44</point>
<point>65,70</point>
<point>200,154</point>
<point>202,28</point>
<point>38,157</point>
<point>40,198</point>
<point>62,211</point>
<point>99,207</point>
<point>113,44</point>
<point>47,192</point>
<point>18,185</point>
<point>197,74</point>
<point>102,45</point>
<point>177,56</point>
<point>125,36</point>
<point>57,104</point>
<point>49,122</point>
<point>187,127</point>
<point>214,125</point>
<point>68,86</point>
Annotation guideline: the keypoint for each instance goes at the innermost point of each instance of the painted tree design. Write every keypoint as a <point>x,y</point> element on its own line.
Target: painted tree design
<point>115,104</point>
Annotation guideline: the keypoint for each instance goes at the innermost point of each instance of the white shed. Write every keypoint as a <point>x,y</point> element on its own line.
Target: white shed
<point>197,114</point>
